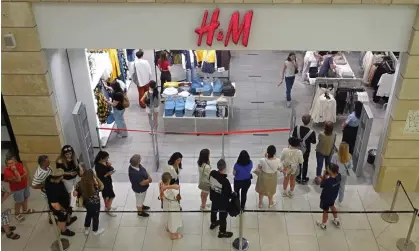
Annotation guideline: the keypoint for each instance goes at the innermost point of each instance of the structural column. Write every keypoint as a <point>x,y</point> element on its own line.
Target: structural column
<point>400,155</point>
<point>26,87</point>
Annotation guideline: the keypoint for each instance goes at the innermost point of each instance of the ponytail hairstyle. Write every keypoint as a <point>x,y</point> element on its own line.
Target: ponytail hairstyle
<point>153,85</point>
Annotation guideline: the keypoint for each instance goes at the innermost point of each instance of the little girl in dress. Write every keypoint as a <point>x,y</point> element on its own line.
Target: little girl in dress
<point>170,196</point>
<point>291,158</point>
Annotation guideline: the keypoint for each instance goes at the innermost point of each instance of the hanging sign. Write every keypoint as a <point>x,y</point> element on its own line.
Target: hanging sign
<point>235,31</point>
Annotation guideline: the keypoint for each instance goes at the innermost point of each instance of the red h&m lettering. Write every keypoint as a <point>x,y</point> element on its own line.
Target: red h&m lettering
<point>235,28</point>
<point>208,29</point>
<point>236,31</point>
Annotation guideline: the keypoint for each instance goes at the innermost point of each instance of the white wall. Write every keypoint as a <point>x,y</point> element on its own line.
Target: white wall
<point>274,27</point>
<point>61,78</point>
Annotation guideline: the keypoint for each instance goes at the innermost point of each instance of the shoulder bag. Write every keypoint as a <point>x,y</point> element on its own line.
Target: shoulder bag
<point>203,184</point>
<point>334,148</point>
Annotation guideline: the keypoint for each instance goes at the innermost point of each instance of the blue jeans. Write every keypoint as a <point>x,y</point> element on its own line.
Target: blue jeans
<point>342,186</point>
<point>289,82</point>
<point>320,158</point>
<point>120,121</point>
<point>130,55</point>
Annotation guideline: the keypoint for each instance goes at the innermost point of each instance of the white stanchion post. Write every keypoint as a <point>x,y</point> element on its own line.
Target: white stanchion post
<point>240,243</point>
<point>60,244</point>
<point>405,244</point>
<point>98,138</point>
<point>389,216</point>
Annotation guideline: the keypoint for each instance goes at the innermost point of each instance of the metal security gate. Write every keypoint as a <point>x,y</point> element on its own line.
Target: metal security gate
<point>83,134</point>
<point>362,137</point>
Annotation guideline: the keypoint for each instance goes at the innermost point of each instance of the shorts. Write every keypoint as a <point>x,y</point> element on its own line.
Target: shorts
<point>21,195</point>
<point>139,198</point>
<point>108,192</point>
<point>5,218</point>
<point>69,185</point>
<point>325,205</point>
<point>62,216</point>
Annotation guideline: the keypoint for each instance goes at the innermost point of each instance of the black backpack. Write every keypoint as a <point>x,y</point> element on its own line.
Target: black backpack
<point>234,206</point>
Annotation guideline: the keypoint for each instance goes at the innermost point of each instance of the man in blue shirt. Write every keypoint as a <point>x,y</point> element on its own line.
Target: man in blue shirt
<point>330,182</point>
<point>140,181</point>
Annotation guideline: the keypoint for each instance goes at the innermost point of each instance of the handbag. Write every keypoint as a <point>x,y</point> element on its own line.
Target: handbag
<point>80,201</point>
<point>125,103</point>
<point>334,148</point>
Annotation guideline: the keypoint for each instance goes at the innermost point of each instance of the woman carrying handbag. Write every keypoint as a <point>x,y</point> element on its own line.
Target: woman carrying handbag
<point>87,190</point>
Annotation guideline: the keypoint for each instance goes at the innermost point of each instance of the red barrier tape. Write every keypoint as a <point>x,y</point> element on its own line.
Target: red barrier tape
<point>205,133</point>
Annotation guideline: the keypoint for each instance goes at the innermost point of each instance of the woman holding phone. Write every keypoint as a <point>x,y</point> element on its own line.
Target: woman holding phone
<point>104,171</point>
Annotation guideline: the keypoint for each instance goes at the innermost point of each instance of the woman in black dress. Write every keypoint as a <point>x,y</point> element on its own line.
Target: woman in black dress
<point>104,171</point>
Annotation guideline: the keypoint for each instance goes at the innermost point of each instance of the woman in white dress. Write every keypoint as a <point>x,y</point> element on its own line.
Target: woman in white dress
<point>171,198</point>
<point>174,165</point>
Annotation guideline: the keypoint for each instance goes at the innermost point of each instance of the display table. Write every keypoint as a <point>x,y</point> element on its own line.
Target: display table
<point>200,124</point>
<point>339,70</point>
<point>216,74</point>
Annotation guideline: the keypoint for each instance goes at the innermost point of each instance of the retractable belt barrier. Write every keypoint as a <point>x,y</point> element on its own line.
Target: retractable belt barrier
<point>256,131</point>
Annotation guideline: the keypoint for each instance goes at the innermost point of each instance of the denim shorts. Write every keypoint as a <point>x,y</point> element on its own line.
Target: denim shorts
<point>21,195</point>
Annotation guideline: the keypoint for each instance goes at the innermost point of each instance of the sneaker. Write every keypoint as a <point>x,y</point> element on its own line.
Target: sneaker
<point>288,104</point>
<point>284,194</point>
<point>86,230</point>
<point>72,220</point>
<point>110,213</point>
<point>336,222</point>
<point>298,179</point>
<point>225,234</point>
<point>214,225</point>
<point>290,194</point>
<point>50,221</point>
<point>143,214</point>
<point>273,204</point>
<point>146,207</point>
<point>306,179</point>
<point>321,225</point>
<point>68,232</point>
<point>99,231</point>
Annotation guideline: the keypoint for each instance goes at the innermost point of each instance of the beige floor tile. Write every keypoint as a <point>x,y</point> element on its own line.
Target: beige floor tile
<point>361,240</point>
<point>303,242</point>
<point>395,231</point>
<point>328,243</point>
<point>133,220</point>
<point>354,221</point>
<point>97,249</point>
<point>192,223</point>
<point>156,238</point>
<point>272,222</point>
<point>104,240</point>
<point>130,238</point>
<point>188,242</point>
<point>272,241</point>
<point>378,225</point>
<point>300,224</point>
<point>250,220</point>
<point>17,245</point>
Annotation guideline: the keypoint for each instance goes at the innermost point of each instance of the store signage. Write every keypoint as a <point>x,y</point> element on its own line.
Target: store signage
<point>236,30</point>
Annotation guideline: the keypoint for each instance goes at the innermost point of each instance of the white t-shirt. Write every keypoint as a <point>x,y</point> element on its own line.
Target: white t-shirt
<point>170,169</point>
<point>270,165</point>
<point>143,69</point>
<point>39,178</point>
<point>291,158</point>
<point>289,69</point>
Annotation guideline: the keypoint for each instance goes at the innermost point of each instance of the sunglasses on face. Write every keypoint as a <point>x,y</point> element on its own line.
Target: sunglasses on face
<point>67,149</point>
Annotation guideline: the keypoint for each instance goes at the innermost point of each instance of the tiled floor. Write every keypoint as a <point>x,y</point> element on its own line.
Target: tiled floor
<point>256,75</point>
<point>265,231</point>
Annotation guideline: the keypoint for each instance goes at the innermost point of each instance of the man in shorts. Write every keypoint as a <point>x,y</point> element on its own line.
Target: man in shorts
<point>17,177</point>
<point>140,181</point>
<point>330,182</point>
<point>41,174</point>
<point>5,214</point>
<point>59,201</point>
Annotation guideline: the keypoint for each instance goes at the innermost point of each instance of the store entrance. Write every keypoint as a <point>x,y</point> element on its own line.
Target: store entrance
<point>257,112</point>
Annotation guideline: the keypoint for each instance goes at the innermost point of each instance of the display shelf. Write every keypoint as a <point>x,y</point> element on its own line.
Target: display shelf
<point>194,124</point>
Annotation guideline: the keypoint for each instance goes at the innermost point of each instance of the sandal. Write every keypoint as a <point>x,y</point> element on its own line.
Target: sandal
<point>29,211</point>
<point>12,228</point>
<point>12,236</point>
<point>19,217</point>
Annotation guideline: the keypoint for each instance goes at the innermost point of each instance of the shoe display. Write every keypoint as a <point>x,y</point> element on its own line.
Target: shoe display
<point>225,234</point>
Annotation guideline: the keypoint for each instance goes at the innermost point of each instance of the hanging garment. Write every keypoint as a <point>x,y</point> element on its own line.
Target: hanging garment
<point>188,61</point>
<point>223,59</point>
<point>177,57</point>
<point>103,110</point>
<point>377,75</point>
<point>116,70</point>
<point>200,56</point>
<point>385,84</point>
<point>121,60</point>
<point>366,65</point>
<point>323,109</point>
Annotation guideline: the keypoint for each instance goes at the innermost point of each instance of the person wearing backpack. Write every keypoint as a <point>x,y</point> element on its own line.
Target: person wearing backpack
<point>307,136</point>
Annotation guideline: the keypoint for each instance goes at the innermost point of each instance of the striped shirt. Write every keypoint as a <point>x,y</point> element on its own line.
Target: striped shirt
<point>40,177</point>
